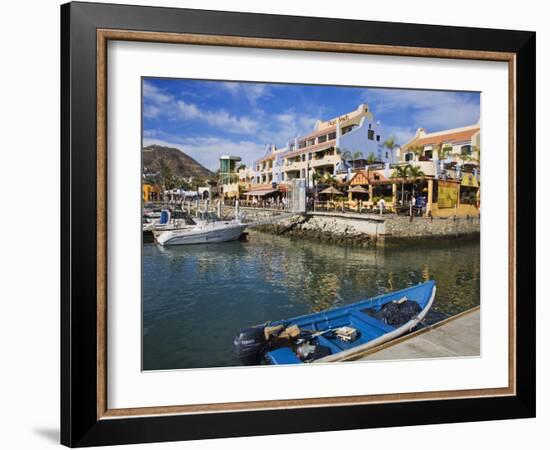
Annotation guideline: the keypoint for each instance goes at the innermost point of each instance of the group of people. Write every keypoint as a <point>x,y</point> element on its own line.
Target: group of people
<point>279,202</point>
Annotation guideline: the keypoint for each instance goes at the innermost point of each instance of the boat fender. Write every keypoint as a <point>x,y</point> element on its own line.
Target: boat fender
<point>250,344</point>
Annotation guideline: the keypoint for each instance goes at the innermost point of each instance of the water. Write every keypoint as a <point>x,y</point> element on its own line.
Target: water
<point>196,298</point>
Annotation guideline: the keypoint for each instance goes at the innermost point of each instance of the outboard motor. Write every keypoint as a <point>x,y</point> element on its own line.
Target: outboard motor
<point>250,344</point>
<point>164,217</point>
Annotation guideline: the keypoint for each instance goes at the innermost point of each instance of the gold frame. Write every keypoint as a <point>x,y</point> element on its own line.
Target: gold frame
<point>103,36</point>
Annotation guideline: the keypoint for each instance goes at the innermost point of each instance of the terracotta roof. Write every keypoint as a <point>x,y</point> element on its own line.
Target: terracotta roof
<point>370,176</point>
<point>436,139</point>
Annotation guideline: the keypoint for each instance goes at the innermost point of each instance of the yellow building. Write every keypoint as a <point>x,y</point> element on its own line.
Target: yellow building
<point>150,192</point>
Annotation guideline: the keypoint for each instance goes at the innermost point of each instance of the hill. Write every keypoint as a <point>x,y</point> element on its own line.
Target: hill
<point>182,165</point>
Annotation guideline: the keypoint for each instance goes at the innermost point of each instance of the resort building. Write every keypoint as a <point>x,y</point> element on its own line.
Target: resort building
<point>324,150</point>
<point>329,149</point>
<point>440,170</point>
<point>228,169</point>
<point>446,153</point>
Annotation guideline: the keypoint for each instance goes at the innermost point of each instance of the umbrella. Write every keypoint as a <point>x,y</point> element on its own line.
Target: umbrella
<point>359,190</point>
<point>331,190</point>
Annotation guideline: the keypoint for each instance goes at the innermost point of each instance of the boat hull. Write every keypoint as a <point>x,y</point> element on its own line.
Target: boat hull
<point>201,236</point>
<point>372,332</point>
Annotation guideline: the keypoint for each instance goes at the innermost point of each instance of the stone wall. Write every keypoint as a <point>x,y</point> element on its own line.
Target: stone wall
<point>426,227</point>
<point>363,230</point>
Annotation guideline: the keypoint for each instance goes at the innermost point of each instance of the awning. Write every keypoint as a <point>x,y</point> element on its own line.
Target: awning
<point>261,192</point>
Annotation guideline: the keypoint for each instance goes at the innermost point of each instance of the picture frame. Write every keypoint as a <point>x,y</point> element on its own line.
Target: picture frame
<point>86,418</point>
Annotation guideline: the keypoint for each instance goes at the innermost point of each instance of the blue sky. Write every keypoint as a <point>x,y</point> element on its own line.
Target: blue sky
<point>207,119</point>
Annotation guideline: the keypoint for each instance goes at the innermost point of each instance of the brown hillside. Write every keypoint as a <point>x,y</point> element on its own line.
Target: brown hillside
<point>181,164</point>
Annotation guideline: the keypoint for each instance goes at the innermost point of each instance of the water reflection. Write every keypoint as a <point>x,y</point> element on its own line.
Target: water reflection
<point>196,297</point>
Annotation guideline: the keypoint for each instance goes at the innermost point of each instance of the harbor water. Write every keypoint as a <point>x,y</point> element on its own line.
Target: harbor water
<point>197,297</point>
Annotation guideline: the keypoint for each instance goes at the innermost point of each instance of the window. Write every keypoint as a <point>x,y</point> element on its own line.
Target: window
<point>310,142</point>
<point>303,173</point>
<point>321,139</point>
<point>377,138</point>
<point>409,156</point>
<point>386,155</point>
<point>301,144</point>
<point>332,135</point>
<point>309,156</point>
<point>466,150</point>
<point>303,157</point>
<point>371,134</point>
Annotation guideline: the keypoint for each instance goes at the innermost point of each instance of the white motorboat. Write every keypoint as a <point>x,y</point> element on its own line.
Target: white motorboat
<point>202,233</point>
<point>168,221</point>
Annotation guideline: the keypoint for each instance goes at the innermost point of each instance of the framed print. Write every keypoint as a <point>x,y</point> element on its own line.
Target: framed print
<point>277,224</point>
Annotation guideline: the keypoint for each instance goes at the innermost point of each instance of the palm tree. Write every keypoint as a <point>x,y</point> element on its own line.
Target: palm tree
<point>329,179</point>
<point>415,173</point>
<point>165,174</point>
<point>390,143</point>
<point>444,152</point>
<point>417,150</point>
<point>370,160</point>
<point>357,155</point>
<point>346,155</point>
<point>403,173</point>
<point>476,149</point>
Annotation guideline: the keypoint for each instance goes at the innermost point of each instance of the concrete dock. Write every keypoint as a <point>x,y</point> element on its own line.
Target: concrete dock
<point>453,337</point>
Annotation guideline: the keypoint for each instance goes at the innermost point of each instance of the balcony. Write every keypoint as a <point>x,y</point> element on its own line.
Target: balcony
<point>328,160</point>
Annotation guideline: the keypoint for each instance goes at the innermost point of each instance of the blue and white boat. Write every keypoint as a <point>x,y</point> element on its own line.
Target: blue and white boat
<point>340,333</point>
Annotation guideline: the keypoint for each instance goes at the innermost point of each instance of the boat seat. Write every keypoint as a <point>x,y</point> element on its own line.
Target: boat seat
<point>371,321</point>
<point>283,355</point>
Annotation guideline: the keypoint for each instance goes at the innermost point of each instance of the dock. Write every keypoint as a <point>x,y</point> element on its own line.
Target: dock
<point>457,336</point>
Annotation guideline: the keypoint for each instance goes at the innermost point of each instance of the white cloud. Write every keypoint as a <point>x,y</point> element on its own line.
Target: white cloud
<point>158,104</point>
<point>283,127</point>
<point>220,118</point>
<point>153,94</point>
<point>252,91</point>
<point>433,110</point>
<point>402,134</point>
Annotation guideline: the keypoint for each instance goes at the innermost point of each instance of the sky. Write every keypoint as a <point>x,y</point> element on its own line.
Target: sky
<point>208,119</point>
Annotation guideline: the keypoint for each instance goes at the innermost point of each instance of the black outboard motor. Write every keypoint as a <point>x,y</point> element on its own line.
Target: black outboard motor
<point>250,344</point>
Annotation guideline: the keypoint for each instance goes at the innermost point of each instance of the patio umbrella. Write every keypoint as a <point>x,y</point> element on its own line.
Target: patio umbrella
<point>357,190</point>
<point>331,190</point>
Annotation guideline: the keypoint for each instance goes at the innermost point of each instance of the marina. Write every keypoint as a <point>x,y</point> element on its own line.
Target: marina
<point>198,297</point>
<point>324,241</point>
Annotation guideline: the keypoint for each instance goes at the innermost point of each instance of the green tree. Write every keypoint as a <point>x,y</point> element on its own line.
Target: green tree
<point>418,150</point>
<point>346,155</point>
<point>390,143</point>
<point>329,179</point>
<point>415,173</point>
<point>444,152</point>
<point>165,174</point>
<point>402,172</point>
<point>477,150</point>
<point>357,155</point>
<point>371,159</point>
